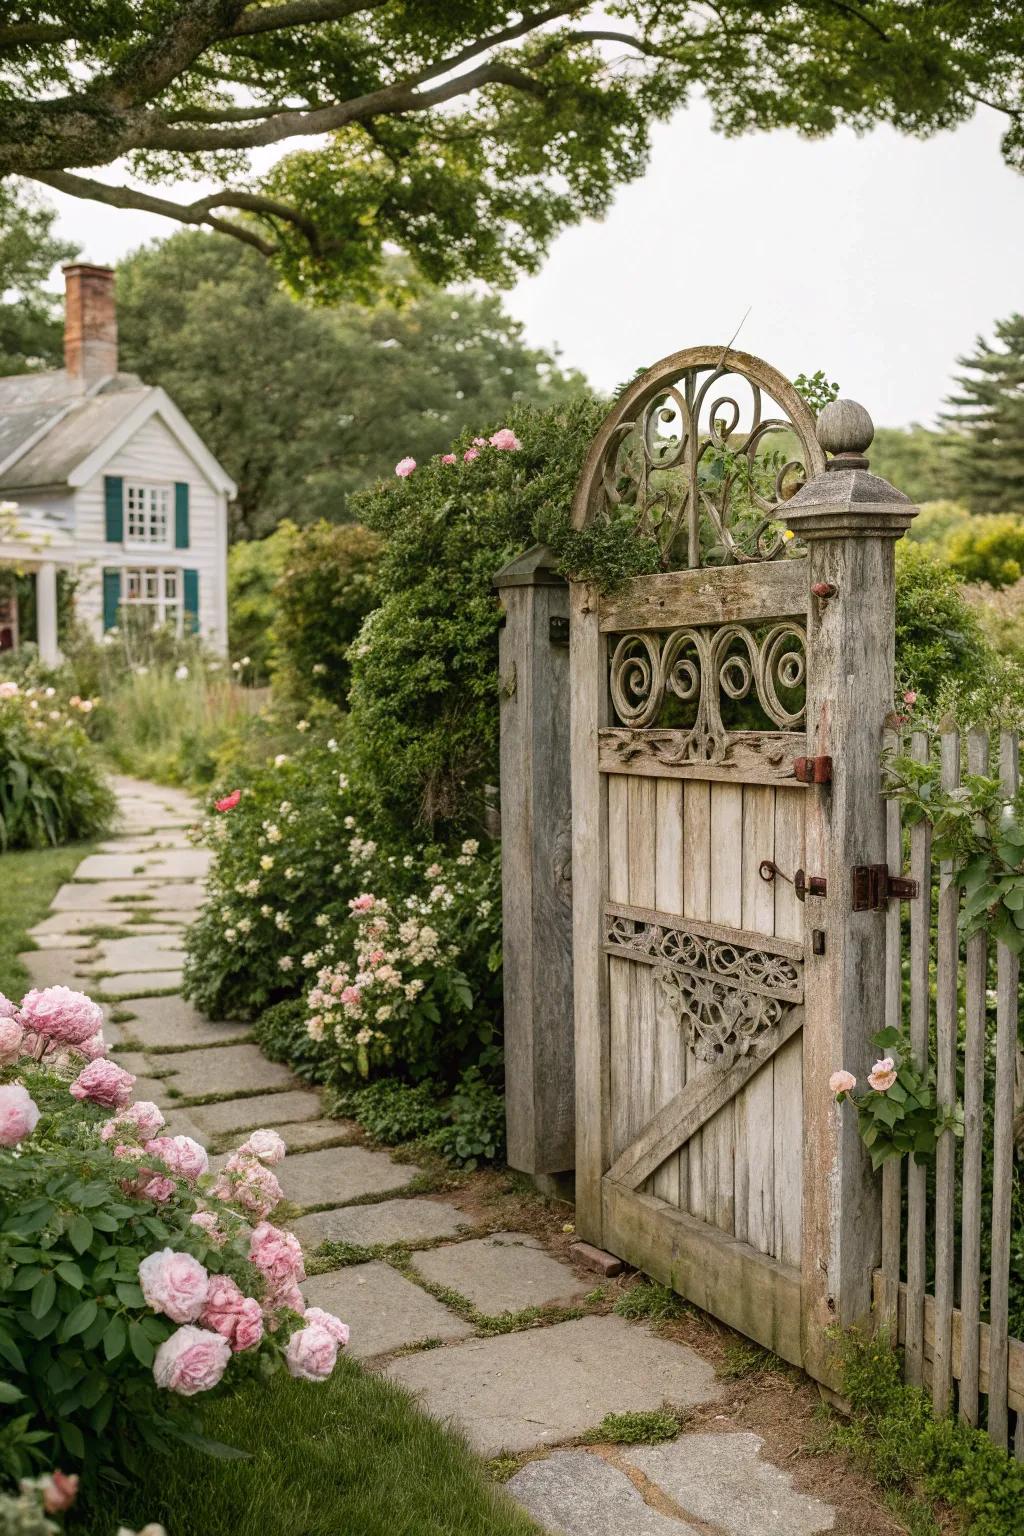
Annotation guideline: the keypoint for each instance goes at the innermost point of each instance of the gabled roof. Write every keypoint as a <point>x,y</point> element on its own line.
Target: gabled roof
<point>52,434</point>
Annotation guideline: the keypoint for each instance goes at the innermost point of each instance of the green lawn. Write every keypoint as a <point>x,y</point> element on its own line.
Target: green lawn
<point>350,1457</point>
<point>28,881</point>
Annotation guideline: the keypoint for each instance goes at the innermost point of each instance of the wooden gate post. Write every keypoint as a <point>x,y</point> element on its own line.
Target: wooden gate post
<point>850,520</point>
<point>536,853</point>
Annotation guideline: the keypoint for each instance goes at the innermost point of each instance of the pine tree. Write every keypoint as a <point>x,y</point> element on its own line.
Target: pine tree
<point>989,413</point>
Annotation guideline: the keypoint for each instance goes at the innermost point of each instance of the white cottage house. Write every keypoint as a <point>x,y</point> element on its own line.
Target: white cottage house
<point>109,479</point>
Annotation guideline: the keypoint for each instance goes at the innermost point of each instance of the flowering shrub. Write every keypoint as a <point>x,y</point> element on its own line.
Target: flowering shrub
<point>52,788</point>
<point>898,1114</point>
<point>132,1280</point>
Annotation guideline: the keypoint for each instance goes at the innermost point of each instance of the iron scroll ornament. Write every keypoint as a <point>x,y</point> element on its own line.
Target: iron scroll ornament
<point>681,447</point>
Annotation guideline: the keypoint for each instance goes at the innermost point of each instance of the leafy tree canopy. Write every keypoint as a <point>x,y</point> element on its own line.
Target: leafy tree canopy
<point>466,133</point>
<point>917,460</point>
<point>988,409</point>
<point>303,405</point>
<point>30,326</point>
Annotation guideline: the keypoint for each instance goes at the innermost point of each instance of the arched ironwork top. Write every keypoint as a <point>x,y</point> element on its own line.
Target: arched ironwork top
<point>687,448</point>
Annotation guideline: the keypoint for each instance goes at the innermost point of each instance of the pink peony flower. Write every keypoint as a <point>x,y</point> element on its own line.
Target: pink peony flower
<point>236,1317</point>
<point>7,1008</point>
<point>506,439</point>
<point>105,1083</point>
<point>334,1325</point>
<point>470,454</point>
<point>93,1048</point>
<point>404,468</point>
<point>158,1189</point>
<point>249,1185</point>
<point>842,1082</point>
<point>59,1491</point>
<point>910,697</point>
<point>364,903</point>
<point>12,1040</point>
<point>175,1284</point>
<point>277,1255</point>
<point>228,802</point>
<point>267,1146</point>
<point>882,1074</point>
<point>208,1223</point>
<point>312,1353</point>
<point>192,1360</point>
<point>449,458</point>
<point>350,996</point>
<point>479,442</point>
<point>19,1114</point>
<point>288,1296</point>
<point>142,1119</point>
<point>181,1155</point>
<point>60,1014</point>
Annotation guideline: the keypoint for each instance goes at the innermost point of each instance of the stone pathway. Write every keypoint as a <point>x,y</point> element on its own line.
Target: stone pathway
<point>438,1312</point>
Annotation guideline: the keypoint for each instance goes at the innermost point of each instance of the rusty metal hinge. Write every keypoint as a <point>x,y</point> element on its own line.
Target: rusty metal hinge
<point>812,770</point>
<point>873,887</point>
<point>803,884</point>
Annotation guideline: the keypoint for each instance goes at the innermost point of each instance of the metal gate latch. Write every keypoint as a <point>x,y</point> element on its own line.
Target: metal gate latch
<point>874,887</point>
<point>804,885</point>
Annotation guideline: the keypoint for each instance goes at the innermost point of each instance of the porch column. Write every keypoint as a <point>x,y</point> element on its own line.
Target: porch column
<point>46,613</point>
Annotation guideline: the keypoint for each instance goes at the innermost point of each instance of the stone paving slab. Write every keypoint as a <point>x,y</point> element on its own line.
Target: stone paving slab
<point>94,898</point>
<point>722,1478</point>
<point>58,967</point>
<point>249,1113</point>
<point>393,1221</point>
<point>383,1309</point>
<point>73,922</point>
<point>132,983</point>
<point>303,1138</point>
<point>62,940</point>
<point>341,1174</point>
<point>234,1069</point>
<point>175,863</point>
<point>550,1384</point>
<point>141,952</point>
<point>578,1493</point>
<point>152,1088</point>
<point>502,1273</point>
<point>171,1021</point>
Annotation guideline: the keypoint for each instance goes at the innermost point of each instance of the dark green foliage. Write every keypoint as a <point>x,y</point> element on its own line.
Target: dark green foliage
<point>938,637</point>
<point>988,410</point>
<point>641,1428</point>
<point>31,329</point>
<point>394,1112</point>
<point>305,406</point>
<point>52,788</point>
<point>648,1299</point>
<point>988,548</point>
<point>325,592</point>
<point>475,1128</point>
<point>917,461</point>
<point>894,1433</point>
<point>424,692</point>
<point>282,1035</point>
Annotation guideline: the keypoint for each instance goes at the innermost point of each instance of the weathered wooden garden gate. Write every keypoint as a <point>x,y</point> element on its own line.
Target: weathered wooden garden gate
<point>727,721</point>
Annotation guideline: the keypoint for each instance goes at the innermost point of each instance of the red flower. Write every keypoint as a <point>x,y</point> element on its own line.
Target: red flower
<point>229,801</point>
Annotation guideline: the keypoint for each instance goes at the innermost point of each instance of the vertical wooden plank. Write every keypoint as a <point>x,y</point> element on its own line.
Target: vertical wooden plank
<point>589,706</point>
<point>786,1066</point>
<point>636,1075</point>
<point>696,903</point>
<point>726,907</point>
<point>892,1170</point>
<point>946,964</point>
<point>1007,981</point>
<point>920,919</point>
<point>754,1105</point>
<point>974,1116</point>
<point>641,794</point>
<point>670,1063</point>
<point>620,1055</point>
<point>618,837</point>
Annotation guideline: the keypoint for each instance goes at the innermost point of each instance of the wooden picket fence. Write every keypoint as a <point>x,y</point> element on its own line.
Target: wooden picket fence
<point>931,1284</point>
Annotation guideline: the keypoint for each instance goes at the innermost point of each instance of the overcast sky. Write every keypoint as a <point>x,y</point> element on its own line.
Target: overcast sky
<point>878,258</point>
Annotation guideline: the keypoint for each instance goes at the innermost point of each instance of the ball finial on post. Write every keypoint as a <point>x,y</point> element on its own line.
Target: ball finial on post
<point>845,430</point>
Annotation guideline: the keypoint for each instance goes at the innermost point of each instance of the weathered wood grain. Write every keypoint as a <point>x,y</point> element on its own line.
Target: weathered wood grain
<point>696,905</point>
<point>917,1176</point>
<point>745,593</point>
<point>754,757</point>
<point>669,1067</point>
<point>946,964</point>
<point>755,1104</point>
<point>892,1169</point>
<point>1015,1351</point>
<point>975,983</point>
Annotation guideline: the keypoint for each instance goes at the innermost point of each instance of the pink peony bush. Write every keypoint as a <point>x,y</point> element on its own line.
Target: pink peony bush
<point>138,1282</point>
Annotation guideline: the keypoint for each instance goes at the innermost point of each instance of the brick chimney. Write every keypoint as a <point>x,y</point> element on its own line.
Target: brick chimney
<point>90,323</point>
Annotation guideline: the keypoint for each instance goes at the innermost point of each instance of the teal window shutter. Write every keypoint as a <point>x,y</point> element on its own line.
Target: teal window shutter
<point>111,596</point>
<point>113,489</point>
<point>191,588</point>
<point>180,514</point>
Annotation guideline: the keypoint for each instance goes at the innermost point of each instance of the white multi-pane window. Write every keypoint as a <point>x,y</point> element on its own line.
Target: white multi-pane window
<point>147,510</point>
<point>158,591</point>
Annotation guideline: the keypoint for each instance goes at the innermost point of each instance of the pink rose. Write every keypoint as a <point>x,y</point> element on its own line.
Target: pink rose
<point>192,1360</point>
<point>104,1083</point>
<point>334,1325</point>
<point>159,1189</point>
<point>60,1014</point>
<point>142,1119</point>
<point>59,1491</point>
<point>7,1008</point>
<point>246,1183</point>
<point>506,439</point>
<point>470,454</point>
<point>237,1318</point>
<point>207,1222</point>
<point>288,1297</point>
<point>175,1284</point>
<point>882,1074</point>
<point>267,1146</point>
<point>842,1082</point>
<point>479,442</point>
<point>910,697</point>
<point>449,458</point>
<point>93,1048</point>
<point>19,1114</point>
<point>181,1155</point>
<point>312,1353</point>
<point>404,468</point>
<point>276,1254</point>
<point>350,996</point>
<point>12,1040</point>
<point>364,903</point>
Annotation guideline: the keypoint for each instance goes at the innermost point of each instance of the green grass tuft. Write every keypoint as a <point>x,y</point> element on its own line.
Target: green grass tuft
<point>742,1358</point>
<point>30,882</point>
<point>645,1428</point>
<point>650,1302</point>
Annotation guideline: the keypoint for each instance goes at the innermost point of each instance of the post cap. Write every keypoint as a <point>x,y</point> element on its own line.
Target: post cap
<point>847,500</point>
<point>845,430</point>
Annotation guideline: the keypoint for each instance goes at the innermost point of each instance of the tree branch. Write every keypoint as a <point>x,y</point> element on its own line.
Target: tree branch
<point>21,33</point>
<point>297,13</point>
<point>183,213</point>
